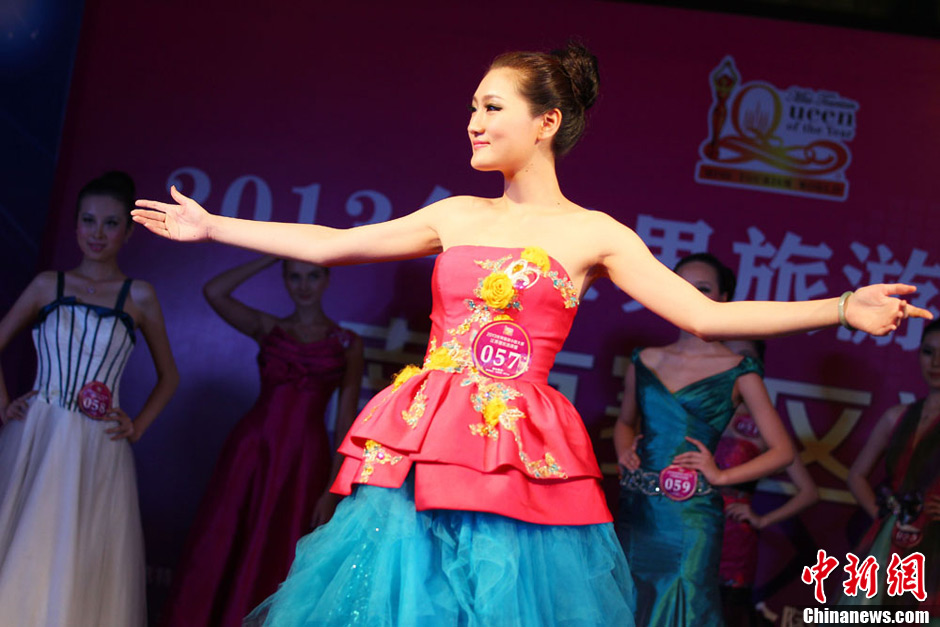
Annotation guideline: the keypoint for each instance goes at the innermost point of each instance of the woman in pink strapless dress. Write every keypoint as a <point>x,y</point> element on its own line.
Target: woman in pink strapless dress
<point>476,497</point>
<point>270,483</point>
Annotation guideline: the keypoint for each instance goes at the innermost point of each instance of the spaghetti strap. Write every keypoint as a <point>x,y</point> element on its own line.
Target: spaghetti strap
<point>122,295</point>
<point>59,284</point>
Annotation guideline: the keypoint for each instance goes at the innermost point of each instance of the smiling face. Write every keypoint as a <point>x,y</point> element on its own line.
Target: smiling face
<point>305,282</point>
<point>930,359</point>
<point>704,277</point>
<point>503,132</point>
<point>102,226</point>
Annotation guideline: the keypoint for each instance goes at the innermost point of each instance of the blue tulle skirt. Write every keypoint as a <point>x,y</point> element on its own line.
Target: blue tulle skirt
<point>380,562</point>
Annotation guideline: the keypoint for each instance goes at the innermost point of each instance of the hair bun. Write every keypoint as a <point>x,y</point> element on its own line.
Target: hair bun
<point>116,184</point>
<point>580,66</point>
<point>119,180</point>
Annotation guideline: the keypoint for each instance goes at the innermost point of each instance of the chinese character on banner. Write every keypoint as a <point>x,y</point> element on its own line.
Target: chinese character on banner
<point>864,576</point>
<point>794,264</point>
<point>670,241</point>
<point>907,575</point>
<point>818,573</point>
<point>886,269</point>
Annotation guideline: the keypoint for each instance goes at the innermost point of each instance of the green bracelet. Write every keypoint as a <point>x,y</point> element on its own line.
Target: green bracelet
<point>842,301</point>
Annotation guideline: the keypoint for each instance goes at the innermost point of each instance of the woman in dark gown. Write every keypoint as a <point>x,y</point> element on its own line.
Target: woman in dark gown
<point>905,507</point>
<point>270,483</point>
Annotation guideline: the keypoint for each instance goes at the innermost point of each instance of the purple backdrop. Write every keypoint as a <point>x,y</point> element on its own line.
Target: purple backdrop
<point>801,155</point>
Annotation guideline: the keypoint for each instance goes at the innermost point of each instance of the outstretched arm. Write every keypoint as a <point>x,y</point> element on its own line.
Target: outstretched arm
<point>634,269</point>
<point>218,292</point>
<point>414,235</point>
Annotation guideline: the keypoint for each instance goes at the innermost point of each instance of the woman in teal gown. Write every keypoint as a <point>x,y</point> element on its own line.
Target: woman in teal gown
<point>677,401</point>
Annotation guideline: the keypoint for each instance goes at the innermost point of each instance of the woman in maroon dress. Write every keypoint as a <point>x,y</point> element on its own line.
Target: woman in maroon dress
<point>270,483</point>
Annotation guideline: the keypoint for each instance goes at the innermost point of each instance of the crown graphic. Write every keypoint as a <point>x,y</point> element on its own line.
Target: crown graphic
<point>508,330</point>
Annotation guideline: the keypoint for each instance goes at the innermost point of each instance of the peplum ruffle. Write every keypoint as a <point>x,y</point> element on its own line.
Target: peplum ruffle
<point>514,446</point>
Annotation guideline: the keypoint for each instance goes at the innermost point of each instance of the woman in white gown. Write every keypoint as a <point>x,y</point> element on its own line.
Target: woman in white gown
<point>71,545</point>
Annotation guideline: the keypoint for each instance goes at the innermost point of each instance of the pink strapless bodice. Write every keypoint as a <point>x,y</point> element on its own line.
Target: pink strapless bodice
<point>478,424</point>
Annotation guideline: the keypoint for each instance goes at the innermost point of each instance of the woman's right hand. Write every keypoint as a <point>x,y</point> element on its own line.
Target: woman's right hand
<point>16,410</point>
<point>185,221</point>
<point>742,512</point>
<point>630,460</point>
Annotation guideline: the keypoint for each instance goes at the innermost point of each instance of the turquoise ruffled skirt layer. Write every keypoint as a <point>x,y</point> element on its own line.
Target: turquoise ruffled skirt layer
<point>379,562</point>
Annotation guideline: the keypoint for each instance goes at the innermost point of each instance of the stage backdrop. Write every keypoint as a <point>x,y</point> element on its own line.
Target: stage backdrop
<point>803,156</point>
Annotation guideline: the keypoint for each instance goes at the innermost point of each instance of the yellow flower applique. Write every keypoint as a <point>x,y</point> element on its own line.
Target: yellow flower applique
<point>497,290</point>
<point>404,374</point>
<point>537,256</point>
<point>440,359</point>
<point>493,410</point>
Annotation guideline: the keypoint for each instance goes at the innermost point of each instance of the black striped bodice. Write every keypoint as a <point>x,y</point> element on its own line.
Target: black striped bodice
<point>77,343</point>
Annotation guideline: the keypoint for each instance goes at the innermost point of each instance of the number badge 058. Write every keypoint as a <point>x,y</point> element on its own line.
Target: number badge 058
<point>94,400</point>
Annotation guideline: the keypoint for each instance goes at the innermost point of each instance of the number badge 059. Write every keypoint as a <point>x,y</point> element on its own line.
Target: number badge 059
<point>678,483</point>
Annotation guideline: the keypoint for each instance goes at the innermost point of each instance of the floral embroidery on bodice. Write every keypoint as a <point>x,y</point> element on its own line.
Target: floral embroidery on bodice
<point>484,410</point>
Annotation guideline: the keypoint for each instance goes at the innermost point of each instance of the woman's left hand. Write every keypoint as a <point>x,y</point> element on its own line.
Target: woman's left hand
<point>742,512</point>
<point>702,461</point>
<point>17,409</point>
<point>124,426</point>
<point>874,309</point>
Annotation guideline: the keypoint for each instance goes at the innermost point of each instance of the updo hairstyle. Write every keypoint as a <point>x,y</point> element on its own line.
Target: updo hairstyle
<point>566,80</point>
<point>114,184</point>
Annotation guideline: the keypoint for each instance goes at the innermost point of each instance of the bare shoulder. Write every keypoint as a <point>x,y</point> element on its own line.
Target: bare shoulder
<point>41,290</point>
<point>142,293</point>
<point>452,204</point>
<point>653,356</point>
<point>354,343</point>
<point>453,212</point>
<point>893,415</point>
<point>596,219</point>
<point>44,284</point>
<point>608,234</point>
<point>144,306</point>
